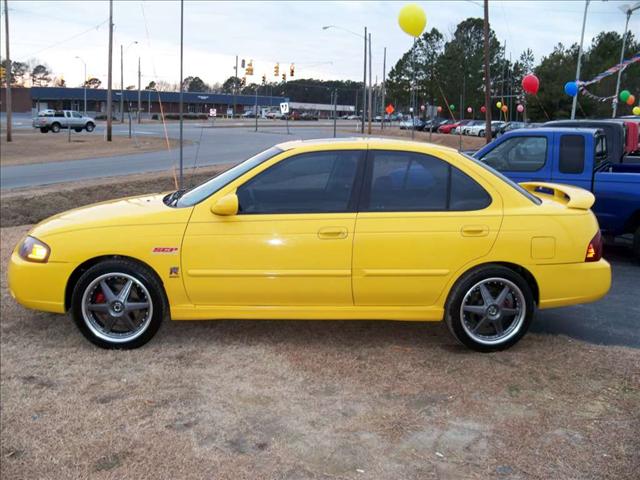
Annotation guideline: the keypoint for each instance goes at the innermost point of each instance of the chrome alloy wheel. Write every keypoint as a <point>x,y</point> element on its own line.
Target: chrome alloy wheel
<point>117,307</point>
<point>493,311</point>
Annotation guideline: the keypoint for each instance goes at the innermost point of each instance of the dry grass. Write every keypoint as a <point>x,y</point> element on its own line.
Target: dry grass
<point>24,206</point>
<point>31,146</point>
<point>447,140</point>
<point>309,400</point>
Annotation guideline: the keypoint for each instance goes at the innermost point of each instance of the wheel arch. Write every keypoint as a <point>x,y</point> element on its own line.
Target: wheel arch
<point>87,264</point>
<point>519,269</point>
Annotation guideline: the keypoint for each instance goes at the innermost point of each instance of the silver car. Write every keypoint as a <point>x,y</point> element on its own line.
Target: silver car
<point>55,120</point>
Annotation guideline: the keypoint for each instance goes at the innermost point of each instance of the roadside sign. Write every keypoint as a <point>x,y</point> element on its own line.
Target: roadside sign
<point>213,112</point>
<point>284,108</point>
<point>389,109</point>
<point>229,111</point>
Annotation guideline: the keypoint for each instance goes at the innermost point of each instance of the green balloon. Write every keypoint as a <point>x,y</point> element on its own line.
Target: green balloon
<point>452,107</point>
<point>624,95</point>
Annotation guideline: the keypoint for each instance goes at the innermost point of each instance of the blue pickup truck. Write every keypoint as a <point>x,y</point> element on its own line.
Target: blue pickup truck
<point>574,156</point>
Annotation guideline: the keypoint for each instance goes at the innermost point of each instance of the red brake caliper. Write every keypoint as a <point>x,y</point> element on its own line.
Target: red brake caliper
<point>100,298</point>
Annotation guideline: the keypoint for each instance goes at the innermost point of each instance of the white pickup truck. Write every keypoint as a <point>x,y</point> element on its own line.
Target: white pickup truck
<point>55,120</point>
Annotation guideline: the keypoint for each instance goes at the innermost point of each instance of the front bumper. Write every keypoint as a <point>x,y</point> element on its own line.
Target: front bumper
<point>40,286</point>
<point>572,283</point>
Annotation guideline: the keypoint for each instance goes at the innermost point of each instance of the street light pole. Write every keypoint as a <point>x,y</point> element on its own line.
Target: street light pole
<point>84,84</point>
<point>122,79</point>
<point>575,97</point>
<point>110,72</point>
<point>628,10</point>
<point>370,88</point>
<point>139,86</point>
<point>364,83</point>
<point>181,87</point>
<point>7,74</point>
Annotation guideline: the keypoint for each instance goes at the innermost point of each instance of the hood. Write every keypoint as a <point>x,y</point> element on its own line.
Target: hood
<point>142,210</point>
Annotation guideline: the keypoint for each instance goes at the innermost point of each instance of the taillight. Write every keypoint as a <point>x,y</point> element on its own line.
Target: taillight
<point>594,250</point>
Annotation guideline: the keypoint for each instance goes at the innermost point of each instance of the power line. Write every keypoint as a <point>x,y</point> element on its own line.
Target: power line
<point>96,27</point>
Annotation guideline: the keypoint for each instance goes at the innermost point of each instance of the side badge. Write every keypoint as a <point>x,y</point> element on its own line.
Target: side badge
<point>174,272</point>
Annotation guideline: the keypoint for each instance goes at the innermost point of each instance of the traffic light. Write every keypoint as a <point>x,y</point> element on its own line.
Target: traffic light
<point>243,81</point>
<point>249,69</point>
<point>242,63</point>
<point>284,77</point>
<point>264,79</point>
<point>292,70</point>
<point>276,70</point>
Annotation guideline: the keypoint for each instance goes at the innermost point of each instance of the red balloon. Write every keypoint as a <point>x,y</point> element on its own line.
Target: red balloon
<point>439,109</point>
<point>631,100</point>
<point>483,109</point>
<point>530,84</point>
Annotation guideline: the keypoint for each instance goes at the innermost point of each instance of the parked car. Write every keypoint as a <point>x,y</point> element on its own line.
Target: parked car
<point>478,127</point>
<point>249,114</point>
<point>416,124</point>
<point>573,156</point>
<point>508,126</point>
<point>448,127</point>
<point>353,117</point>
<point>436,123</point>
<point>308,116</point>
<point>436,236</point>
<point>459,129</point>
<point>56,120</point>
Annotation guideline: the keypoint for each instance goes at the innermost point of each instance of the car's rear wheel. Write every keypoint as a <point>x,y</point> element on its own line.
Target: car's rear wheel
<point>490,308</point>
<point>89,127</point>
<point>77,130</point>
<point>55,128</point>
<point>481,133</point>
<point>118,304</point>
<point>44,129</point>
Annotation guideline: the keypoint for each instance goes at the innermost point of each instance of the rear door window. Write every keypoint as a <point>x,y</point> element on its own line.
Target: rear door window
<point>571,154</point>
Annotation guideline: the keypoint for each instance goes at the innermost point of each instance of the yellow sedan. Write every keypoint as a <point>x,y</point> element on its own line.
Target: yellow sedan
<point>325,229</point>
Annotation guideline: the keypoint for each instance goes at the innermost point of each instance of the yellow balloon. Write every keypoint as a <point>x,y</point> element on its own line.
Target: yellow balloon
<point>636,110</point>
<point>412,19</point>
<point>499,104</point>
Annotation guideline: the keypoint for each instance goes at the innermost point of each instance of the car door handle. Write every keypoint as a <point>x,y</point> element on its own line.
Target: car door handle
<point>332,233</point>
<point>475,231</point>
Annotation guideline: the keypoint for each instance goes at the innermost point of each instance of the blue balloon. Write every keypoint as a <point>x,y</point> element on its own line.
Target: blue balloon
<point>571,89</point>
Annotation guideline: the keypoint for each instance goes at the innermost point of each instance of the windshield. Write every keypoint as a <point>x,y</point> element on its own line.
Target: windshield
<point>205,190</point>
<point>511,183</point>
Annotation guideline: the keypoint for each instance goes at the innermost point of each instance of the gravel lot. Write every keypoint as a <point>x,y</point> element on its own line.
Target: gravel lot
<point>309,400</point>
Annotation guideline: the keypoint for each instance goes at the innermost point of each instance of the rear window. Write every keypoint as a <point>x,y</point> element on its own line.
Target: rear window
<point>571,154</point>
<point>510,182</point>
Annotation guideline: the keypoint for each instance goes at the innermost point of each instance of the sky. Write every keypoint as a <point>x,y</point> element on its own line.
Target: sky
<point>56,32</point>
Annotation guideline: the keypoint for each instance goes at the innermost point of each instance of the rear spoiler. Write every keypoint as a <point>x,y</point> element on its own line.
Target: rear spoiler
<point>572,197</point>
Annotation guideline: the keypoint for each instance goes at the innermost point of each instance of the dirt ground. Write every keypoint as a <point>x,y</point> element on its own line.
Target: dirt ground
<point>305,399</point>
<point>31,146</point>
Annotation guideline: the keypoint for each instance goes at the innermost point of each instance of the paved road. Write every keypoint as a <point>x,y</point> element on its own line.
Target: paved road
<point>210,146</point>
<point>614,320</point>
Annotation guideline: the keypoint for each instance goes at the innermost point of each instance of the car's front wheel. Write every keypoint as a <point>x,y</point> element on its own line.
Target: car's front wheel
<point>481,133</point>
<point>44,129</point>
<point>118,304</point>
<point>89,127</point>
<point>55,128</point>
<point>490,308</point>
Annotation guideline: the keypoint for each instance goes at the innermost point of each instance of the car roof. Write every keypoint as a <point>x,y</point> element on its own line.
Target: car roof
<point>364,142</point>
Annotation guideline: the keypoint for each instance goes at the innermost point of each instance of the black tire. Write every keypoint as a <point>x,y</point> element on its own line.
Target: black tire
<point>481,133</point>
<point>89,127</point>
<point>636,244</point>
<point>453,314</point>
<point>55,127</point>
<point>44,130</point>
<point>77,130</point>
<point>139,272</point>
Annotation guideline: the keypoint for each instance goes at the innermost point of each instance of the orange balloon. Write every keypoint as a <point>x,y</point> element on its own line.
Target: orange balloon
<point>504,108</point>
<point>631,100</point>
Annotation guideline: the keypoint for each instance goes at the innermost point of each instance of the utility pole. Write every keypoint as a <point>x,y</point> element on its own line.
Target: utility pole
<point>575,97</point>
<point>628,12</point>
<point>370,87</point>
<point>384,85</point>
<point>364,84</point>
<point>335,111</point>
<point>110,72</point>
<point>235,86</point>
<point>181,88</point>
<point>487,75</point>
<point>7,73</point>
<point>139,86</point>
<point>121,84</point>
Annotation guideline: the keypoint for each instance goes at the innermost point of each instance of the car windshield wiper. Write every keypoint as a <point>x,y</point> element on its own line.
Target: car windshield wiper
<point>172,199</point>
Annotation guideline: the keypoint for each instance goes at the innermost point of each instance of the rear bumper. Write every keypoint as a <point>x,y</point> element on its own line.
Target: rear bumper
<point>572,283</point>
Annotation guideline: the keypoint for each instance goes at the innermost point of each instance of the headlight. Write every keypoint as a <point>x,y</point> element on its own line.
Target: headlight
<point>33,250</point>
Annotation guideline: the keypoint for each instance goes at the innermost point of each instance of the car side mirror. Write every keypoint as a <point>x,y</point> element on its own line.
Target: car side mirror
<point>226,206</point>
